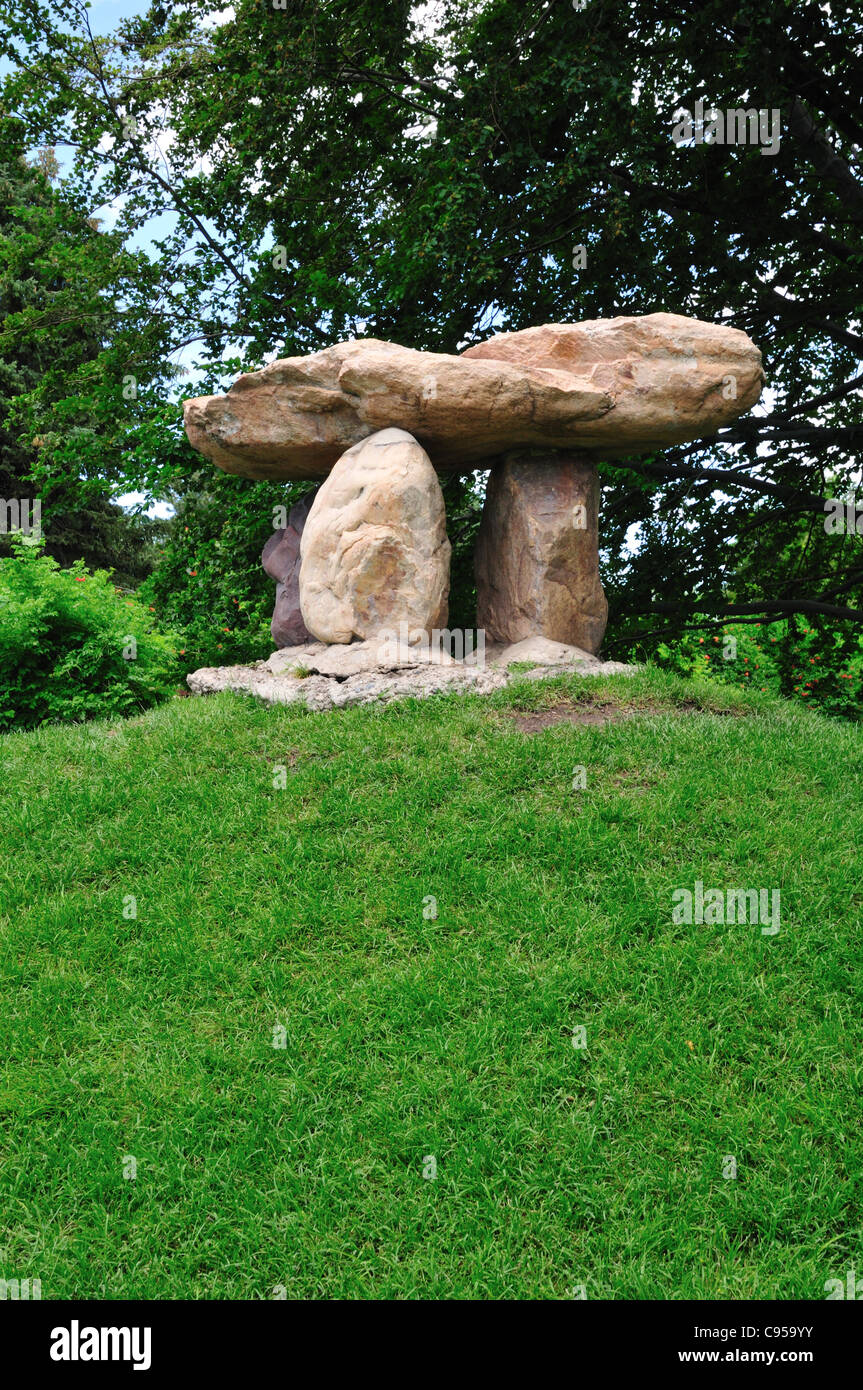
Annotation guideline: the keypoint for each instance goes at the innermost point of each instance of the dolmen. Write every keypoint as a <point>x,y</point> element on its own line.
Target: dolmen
<point>376,426</point>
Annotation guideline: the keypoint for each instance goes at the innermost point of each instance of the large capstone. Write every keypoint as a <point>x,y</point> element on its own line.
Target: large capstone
<point>613,386</point>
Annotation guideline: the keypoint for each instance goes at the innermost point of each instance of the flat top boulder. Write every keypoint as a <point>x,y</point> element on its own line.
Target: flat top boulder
<point>616,386</point>
<point>671,378</point>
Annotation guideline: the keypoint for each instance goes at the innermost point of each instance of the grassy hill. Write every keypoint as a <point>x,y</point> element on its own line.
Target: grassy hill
<point>295,915</point>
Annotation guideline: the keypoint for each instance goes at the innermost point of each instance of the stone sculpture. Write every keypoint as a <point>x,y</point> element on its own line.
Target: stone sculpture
<point>538,408</point>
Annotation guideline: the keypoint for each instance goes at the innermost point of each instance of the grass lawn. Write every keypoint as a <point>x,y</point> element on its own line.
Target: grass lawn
<point>295,915</point>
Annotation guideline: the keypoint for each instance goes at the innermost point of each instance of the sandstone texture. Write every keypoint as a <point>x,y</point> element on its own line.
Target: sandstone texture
<point>295,418</point>
<point>671,378</point>
<point>374,550</point>
<point>617,386</point>
<point>281,560</point>
<point>536,558</point>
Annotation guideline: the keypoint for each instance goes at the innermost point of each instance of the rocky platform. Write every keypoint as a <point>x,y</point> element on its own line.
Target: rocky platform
<point>322,676</point>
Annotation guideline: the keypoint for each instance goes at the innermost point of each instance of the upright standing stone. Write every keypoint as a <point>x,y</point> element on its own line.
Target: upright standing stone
<point>281,560</point>
<point>374,549</point>
<point>537,552</point>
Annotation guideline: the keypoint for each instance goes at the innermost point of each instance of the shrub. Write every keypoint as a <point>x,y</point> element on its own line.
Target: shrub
<point>817,662</point>
<point>208,583</point>
<point>72,645</point>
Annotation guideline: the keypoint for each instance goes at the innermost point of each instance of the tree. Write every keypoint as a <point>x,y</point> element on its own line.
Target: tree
<point>57,272</point>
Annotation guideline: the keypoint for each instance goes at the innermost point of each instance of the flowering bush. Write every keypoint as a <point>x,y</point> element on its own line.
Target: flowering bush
<point>820,664</point>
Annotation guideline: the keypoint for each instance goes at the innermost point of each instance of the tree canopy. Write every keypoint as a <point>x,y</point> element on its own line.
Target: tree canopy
<point>59,276</point>
<point>320,169</point>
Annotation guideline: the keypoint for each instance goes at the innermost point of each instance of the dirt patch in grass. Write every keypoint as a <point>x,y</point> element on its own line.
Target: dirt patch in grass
<point>289,759</point>
<point>588,712</point>
<point>631,780</point>
<point>570,714</point>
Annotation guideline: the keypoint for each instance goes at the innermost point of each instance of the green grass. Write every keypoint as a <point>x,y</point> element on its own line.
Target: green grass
<point>409,1036</point>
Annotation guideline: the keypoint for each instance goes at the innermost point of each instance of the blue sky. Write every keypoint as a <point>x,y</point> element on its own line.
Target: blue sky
<point>105,14</point>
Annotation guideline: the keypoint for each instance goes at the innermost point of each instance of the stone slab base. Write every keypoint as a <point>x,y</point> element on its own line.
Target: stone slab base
<point>325,677</point>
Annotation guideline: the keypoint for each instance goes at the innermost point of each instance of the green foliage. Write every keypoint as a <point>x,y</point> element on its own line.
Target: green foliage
<point>463,498</point>
<point>83,344</point>
<point>209,584</point>
<point>61,414</point>
<point>72,645</point>
<point>819,664</point>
